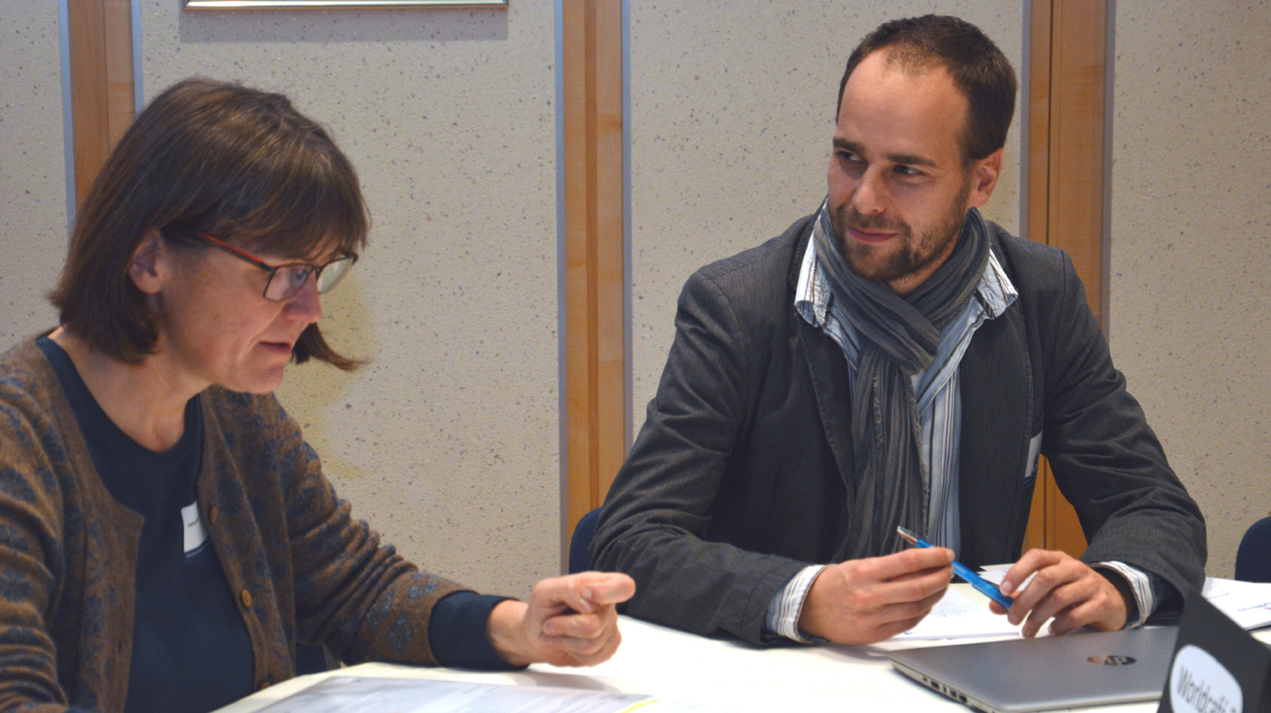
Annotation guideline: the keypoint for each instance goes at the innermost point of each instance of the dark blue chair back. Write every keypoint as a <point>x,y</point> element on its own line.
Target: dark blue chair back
<point>1253,559</point>
<point>579,559</point>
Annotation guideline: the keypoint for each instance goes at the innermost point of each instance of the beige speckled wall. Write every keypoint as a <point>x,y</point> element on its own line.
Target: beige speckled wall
<point>448,441</point>
<point>32,167</point>
<point>1191,246</point>
<point>732,111</point>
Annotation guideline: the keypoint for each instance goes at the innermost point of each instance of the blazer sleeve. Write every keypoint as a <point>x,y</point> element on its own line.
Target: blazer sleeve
<point>660,503</point>
<point>1106,459</point>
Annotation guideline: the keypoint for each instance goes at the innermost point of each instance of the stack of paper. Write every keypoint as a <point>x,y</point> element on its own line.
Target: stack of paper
<point>956,616</point>
<point>355,694</point>
<point>1247,603</point>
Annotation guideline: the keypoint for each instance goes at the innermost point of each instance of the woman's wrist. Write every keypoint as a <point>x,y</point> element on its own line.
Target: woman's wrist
<point>507,632</point>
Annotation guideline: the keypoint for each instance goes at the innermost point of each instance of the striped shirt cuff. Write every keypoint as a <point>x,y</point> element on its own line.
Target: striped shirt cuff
<point>787,605</point>
<point>1141,585</point>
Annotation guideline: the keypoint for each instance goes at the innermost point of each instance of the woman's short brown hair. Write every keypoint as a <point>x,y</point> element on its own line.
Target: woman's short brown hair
<point>212,157</point>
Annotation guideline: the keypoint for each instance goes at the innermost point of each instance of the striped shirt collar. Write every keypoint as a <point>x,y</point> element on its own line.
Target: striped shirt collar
<point>812,292</point>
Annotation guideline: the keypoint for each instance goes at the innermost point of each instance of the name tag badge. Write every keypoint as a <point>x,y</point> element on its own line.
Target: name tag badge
<point>195,533</point>
<point>1034,450</point>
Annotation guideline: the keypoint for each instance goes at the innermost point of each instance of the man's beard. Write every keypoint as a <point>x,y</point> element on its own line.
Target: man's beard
<point>912,256</point>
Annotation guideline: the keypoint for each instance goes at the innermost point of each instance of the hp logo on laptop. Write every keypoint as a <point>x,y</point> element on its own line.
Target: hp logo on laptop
<point>1113,660</point>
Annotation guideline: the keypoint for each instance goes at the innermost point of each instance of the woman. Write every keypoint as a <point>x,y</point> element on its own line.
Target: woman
<point>166,535</point>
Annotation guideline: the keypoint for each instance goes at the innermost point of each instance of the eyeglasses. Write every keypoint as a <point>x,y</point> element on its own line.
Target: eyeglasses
<point>286,280</point>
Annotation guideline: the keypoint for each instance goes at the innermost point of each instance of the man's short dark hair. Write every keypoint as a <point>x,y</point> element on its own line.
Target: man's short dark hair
<point>236,163</point>
<point>978,68</point>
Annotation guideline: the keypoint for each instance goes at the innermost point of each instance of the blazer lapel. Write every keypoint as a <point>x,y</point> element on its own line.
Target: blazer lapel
<point>828,368</point>
<point>828,374</point>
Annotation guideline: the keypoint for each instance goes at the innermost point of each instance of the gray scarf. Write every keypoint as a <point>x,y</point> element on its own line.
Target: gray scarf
<point>898,338</point>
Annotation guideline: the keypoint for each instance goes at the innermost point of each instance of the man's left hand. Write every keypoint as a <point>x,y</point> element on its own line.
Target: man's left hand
<point>569,621</point>
<point>1064,588</point>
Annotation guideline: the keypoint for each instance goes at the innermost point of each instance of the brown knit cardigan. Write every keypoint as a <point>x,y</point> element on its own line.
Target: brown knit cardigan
<point>299,566</point>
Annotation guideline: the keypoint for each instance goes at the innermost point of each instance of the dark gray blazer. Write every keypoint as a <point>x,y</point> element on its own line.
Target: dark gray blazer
<point>739,477</point>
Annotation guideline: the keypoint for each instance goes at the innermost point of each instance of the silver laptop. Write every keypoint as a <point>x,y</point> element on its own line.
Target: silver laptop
<point>1024,675</point>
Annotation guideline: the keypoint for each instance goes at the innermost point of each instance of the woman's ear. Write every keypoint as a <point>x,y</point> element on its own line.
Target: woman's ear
<point>150,264</point>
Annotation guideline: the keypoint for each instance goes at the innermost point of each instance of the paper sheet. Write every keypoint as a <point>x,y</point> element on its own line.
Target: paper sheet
<point>995,573</point>
<point>1248,603</point>
<point>352,694</point>
<point>956,616</point>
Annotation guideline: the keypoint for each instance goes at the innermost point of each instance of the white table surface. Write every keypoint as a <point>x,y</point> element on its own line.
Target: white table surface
<point>721,672</point>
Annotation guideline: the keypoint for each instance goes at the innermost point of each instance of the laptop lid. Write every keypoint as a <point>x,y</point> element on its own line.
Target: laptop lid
<point>1023,675</point>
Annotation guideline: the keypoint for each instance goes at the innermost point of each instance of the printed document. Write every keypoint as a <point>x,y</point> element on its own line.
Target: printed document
<point>1247,603</point>
<point>355,694</point>
<point>957,616</point>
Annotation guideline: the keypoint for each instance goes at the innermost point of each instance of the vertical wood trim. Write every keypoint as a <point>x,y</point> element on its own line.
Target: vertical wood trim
<point>1076,139</point>
<point>1038,138</point>
<point>1075,217</point>
<point>121,96</point>
<point>86,27</point>
<point>595,292</point>
<point>1039,121</point>
<point>103,102</point>
<point>1066,204</point>
<point>578,389</point>
<point>610,246</point>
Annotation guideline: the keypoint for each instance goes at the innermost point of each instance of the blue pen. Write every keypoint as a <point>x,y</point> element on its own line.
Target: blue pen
<point>981,585</point>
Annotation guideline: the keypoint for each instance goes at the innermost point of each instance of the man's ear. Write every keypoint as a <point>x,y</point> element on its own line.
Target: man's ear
<point>984,179</point>
<point>150,263</point>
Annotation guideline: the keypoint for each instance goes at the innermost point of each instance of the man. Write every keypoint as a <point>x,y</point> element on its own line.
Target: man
<point>894,360</point>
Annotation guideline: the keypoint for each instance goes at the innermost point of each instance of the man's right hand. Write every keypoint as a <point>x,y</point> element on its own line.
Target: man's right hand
<point>867,600</point>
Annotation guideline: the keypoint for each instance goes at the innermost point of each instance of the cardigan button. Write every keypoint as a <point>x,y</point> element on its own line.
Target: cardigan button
<point>246,598</point>
<point>211,515</point>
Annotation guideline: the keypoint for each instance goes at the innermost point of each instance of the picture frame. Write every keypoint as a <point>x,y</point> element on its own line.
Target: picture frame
<point>279,4</point>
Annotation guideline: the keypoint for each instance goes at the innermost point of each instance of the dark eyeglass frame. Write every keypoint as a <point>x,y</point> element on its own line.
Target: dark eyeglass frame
<point>286,288</point>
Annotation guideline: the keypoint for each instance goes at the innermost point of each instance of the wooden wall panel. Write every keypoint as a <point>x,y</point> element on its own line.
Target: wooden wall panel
<point>595,288</point>
<point>103,100</point>
<point>1066,184</point>
<point>1075,215</point>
